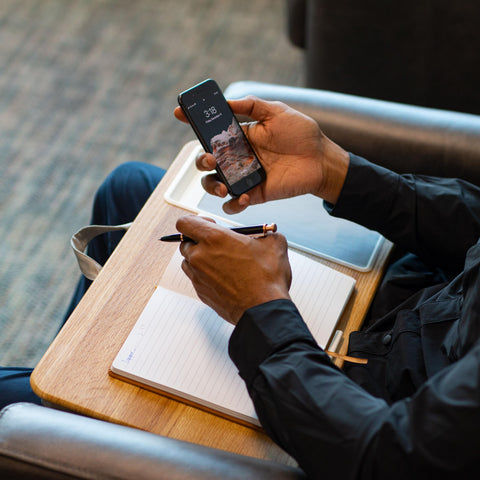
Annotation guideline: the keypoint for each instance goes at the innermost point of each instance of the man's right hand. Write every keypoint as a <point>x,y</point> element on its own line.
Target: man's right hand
<point>298,158</point>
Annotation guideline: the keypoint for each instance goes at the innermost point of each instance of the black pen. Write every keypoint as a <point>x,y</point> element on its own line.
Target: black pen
<point>253,230</point>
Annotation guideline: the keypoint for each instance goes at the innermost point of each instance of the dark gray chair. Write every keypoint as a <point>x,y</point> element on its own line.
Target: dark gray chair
<point>419,52</point>
<point>43,443</point>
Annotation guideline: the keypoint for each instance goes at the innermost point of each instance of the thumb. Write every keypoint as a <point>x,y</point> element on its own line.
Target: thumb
<point>255,108</point>
<point>179,115</point>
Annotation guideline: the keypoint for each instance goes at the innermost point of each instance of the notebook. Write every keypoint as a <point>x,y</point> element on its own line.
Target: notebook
<point>178,346</point>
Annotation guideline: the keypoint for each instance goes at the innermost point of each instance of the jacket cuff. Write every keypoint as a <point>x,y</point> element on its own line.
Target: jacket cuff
<point>264,329</point>
<point>367,188</point>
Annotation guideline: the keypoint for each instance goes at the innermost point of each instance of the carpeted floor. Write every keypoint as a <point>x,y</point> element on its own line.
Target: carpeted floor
<point>84,86</point>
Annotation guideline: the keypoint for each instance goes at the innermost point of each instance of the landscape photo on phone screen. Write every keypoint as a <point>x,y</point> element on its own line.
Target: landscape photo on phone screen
<point>234,155</point>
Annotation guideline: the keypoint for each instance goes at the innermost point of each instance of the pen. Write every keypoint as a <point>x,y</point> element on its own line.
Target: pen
<point>253,230</point>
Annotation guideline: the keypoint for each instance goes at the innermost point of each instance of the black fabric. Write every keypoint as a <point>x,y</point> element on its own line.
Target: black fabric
<point>414,409</point>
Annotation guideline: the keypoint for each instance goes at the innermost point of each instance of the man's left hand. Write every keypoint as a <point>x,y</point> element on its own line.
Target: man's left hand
<point>232,272</point>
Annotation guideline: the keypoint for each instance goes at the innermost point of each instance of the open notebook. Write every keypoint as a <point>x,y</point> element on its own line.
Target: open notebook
<point>178,346</point>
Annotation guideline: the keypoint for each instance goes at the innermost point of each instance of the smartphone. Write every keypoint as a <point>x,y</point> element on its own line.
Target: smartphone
<point>219,132</point>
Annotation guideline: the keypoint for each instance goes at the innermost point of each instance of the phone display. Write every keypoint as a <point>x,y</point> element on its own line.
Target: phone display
<point>220,134</point>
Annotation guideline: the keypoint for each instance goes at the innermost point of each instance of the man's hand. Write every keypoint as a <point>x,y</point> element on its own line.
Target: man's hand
<point>232,272</point>
<point>297,156</point>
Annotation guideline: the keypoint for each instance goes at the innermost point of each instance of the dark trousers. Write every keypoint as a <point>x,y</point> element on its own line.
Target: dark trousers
<point>118,200</point>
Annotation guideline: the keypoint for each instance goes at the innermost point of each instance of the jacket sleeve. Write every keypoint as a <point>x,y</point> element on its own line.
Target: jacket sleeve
<point>332,427</point>
<point>436,218</point>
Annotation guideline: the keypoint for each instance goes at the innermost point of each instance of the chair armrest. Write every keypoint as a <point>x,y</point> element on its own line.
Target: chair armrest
<point>404,138</point>
<point>39,442</point>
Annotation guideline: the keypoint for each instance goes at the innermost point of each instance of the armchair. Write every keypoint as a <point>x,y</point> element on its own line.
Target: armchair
<point>416,52</point>
<point>43,443</point>
<point>38,442</point>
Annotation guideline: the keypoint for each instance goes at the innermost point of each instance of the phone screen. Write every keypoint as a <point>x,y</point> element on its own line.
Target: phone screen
<point>220,134</point>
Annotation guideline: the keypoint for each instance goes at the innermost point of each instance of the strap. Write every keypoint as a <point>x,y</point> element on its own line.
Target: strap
<point>346,358</point>
<point>79,241</point>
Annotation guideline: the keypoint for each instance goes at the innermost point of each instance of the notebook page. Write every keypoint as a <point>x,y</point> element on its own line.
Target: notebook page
<point>174,279</point>
<point>319,292</point>
<point>180,345</point>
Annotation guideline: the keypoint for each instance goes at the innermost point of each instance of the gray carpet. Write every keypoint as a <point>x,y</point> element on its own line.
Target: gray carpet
<point>84,86</point>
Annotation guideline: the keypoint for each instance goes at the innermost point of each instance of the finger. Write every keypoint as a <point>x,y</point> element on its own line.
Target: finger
<point>246,126</point>
<point>237,205</point>
<point>179,115</point>
<point>187,269</point>
<point>254,196</point>
<point>205,162</point>
<point>255,108</point>
<point>197,228</point>
<point>186,250</point>
<point>208,219</point>
<point>276,242</point>
<point>213,186</point>
<point>279,239</point>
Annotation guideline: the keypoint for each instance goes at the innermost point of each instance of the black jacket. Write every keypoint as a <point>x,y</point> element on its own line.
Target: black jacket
<point>414,410</point>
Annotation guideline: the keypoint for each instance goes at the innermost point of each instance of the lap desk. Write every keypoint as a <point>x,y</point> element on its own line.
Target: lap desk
<point>74,372</point>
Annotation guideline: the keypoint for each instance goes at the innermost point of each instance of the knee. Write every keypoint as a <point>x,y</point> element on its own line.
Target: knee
<point>126,189</point>
<point>127,179</point>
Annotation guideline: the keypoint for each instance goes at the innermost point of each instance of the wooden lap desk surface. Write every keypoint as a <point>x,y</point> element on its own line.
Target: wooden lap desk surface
<point>73,373</point>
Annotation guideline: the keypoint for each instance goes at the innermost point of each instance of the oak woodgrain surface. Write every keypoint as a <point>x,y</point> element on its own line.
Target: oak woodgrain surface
<point>73,373</point>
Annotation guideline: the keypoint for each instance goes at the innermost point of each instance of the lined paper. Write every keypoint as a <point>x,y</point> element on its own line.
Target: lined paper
<point>179,345</point>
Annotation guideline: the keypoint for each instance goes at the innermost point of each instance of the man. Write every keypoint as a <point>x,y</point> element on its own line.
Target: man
<point>414,410</point>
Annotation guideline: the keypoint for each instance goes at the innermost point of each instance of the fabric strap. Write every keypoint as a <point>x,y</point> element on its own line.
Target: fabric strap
<point>80,240</point>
